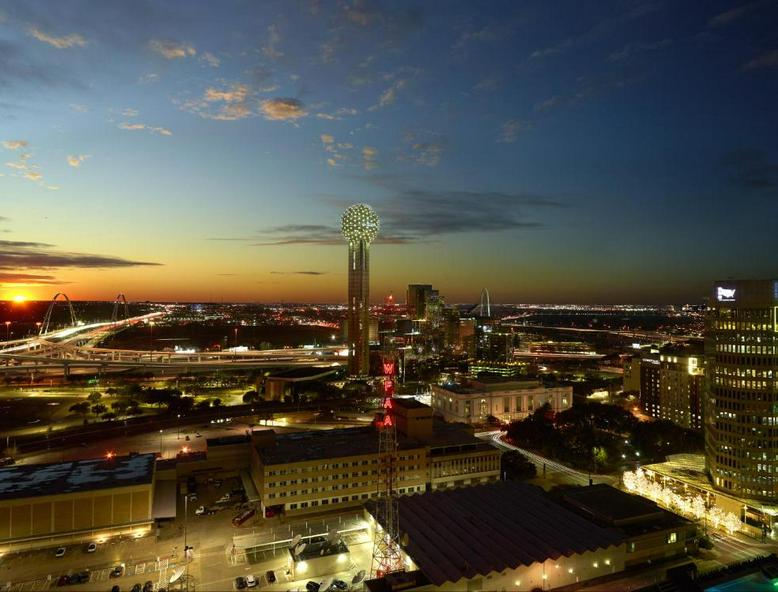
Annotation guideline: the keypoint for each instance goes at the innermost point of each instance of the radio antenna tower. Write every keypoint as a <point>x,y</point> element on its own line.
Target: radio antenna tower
<point>386,542</point>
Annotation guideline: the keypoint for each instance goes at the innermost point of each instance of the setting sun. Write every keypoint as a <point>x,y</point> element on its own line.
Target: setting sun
<point>19,298</point>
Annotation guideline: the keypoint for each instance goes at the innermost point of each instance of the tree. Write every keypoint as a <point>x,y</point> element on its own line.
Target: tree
<point>99,408</point>
<point>250,397</point>
<point>94,397</point>
<point>80,408</point>
<point>217,402</point>
<point>108,416</point>
<point>120,406</point>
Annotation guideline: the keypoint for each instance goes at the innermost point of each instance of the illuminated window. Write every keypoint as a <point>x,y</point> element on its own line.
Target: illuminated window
<point>672,538</point>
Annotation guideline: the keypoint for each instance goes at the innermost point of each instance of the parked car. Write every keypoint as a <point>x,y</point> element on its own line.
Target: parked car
<point>148,586</point>
<point>240,583</point>
<point>60,552</point>
<point>117,571</point>
<point>116,588</point>
<point>192,497</point>
<point>91,547</point>
<point>340,585</point>
<point>80,577</point>
<point>136,588</point>
<point>271,577</point>
<point>63,580</point>
<point>251,581</point>
<point>200,511</point>
<point>312,586</point>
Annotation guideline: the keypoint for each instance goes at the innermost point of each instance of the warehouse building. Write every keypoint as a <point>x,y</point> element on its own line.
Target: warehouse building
<point>59,503</point>
<point>501,536</point>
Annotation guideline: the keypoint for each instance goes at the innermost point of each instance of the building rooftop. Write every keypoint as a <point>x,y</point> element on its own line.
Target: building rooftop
<point>610,505</point>
<point>228,440</point>
<point>472,531</point>
<point>487,384</point>
<point>409,403</point>
<point>322,444</point>
<point>22,481</point>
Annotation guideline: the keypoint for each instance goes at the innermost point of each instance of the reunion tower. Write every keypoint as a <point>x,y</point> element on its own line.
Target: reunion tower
<point>360,228</point>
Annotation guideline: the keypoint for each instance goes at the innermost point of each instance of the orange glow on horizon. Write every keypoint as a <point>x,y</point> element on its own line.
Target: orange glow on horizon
<point>20,298</point>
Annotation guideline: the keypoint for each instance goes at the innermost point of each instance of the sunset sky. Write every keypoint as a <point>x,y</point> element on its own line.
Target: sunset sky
<point>610,151</point>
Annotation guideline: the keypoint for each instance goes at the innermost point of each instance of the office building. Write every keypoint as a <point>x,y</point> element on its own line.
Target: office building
<point>360,227</point>
<point>310,471</point>
<point>416,299</point>
<point>473,401</point>
<point>669,382</point>
<point>741,402</point>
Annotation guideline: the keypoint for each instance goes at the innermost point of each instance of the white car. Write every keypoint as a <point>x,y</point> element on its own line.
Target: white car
<point>60,552</point>
<point>200,511</point>
<point>251,581</point>
<point>91,547</point>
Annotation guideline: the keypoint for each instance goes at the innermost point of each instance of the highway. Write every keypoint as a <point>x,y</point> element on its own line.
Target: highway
<point>74,348</point>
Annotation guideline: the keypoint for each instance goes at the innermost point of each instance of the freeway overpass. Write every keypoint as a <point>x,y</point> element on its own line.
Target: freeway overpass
<point>73,348</point>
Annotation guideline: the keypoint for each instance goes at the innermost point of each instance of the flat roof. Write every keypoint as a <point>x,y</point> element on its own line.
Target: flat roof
<point>22,481</point>
<point>228,440</point>
<point>610,504</point>
<point>321,444</point>
<point>409,403</point>
<point>484,385</point>
<point>473,531</point>
<point>305,373</point>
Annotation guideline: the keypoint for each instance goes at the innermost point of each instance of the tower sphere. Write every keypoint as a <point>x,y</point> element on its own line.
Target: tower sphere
<point>360,223</point>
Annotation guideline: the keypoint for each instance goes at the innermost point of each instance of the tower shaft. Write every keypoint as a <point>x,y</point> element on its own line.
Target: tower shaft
<point>359,308</point>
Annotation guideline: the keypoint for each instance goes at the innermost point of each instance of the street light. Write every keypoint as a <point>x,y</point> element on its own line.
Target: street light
<point>178,427</point>
<point>8,330</point>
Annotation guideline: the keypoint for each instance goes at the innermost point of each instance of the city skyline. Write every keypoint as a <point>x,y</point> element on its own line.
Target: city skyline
<point>182,152</point>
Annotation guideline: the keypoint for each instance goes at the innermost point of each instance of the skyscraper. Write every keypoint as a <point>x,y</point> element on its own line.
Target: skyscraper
<point>741,404</point>
<point>359,225</point>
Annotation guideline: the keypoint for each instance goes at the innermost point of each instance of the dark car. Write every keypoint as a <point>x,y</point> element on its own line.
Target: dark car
<point>271,577</point>
<point>63,580</point>
<point>240,583</point>
<point>136,588</point>
<point>80,578</point>
<point>340,585</point>
<point>312,586</point>
<point>148,586</point>
<point>117,571</point>
<point>115,588</point>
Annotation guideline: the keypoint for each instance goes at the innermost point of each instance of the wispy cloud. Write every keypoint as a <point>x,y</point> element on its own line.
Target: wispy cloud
<point>298,272</point>
<point>65,42</point>
<point>270,48</point>
<point>229,103</point>
<point>766,60</point>
<point>424,147</point>
<point>24,166</point>
<point>17,258</point>
<point>411,215</point>
<point>632,49</point>
<point>148,78</point>
<point>172,50</point>
<point>509,131</point>
<point>136,127</point>
<point>75,160</point>
<point>130,113</point>
<point>750,169</point>
<point>15,144</point>
<point>729,16</point>
<point>210,59</point>
<point>369,155</point>
<point>283,109</point>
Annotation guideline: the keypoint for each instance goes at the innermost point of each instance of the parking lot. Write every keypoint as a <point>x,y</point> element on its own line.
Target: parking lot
<point>155,558</point>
